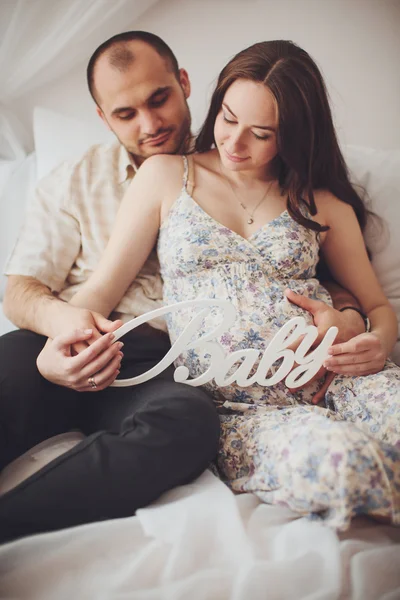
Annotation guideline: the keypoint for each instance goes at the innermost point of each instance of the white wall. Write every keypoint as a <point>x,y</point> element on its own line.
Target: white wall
<point>355,42</point>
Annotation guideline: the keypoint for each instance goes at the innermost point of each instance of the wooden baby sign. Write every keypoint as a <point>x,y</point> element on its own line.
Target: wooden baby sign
<point>221,363</point>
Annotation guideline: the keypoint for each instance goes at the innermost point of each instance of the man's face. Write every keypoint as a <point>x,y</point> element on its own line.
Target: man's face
<point>145,105</point>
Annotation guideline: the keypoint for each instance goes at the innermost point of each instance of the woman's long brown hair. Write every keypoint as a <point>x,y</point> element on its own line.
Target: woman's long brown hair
<point>309,157</point>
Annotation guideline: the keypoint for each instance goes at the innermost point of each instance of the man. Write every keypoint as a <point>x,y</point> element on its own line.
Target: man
<point>140,441</point>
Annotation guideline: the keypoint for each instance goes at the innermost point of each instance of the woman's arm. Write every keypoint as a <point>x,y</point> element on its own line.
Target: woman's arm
<point>345,253</point>
<point>133,237</point>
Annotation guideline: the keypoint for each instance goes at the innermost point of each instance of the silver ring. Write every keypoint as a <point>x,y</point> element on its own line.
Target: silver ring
<point>92,383</point>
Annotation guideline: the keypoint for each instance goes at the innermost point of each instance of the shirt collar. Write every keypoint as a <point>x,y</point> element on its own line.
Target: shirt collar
<point>126,165</point>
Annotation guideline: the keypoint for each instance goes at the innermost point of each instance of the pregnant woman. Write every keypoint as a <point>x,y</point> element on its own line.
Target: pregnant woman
<point>245,219</point>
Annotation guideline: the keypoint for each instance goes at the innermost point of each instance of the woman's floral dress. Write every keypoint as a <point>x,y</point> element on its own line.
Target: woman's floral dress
<point>331,463</point>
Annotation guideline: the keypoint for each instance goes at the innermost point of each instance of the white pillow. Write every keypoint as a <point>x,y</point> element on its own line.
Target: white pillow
<point>6,170</point>
<point>59,138</point>
<point>378,171</point>
<point>13,200</point>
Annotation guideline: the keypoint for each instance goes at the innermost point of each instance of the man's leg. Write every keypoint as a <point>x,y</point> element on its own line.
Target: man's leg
<point>142,441</point>
<point>31,408</point>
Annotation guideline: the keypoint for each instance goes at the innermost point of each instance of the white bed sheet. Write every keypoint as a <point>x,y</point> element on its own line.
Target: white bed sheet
<point>202,542</point>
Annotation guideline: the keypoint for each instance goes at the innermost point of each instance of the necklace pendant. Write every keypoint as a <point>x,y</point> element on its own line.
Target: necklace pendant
<point>250,221</point>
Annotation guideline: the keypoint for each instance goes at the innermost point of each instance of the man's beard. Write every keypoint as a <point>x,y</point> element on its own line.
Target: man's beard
<point>181,145</point>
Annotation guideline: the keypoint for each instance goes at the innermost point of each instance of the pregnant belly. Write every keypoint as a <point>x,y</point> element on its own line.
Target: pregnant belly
<point>260,312</point>
<point>261,308</point>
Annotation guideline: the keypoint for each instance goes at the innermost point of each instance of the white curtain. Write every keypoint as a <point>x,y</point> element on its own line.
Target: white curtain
<point>41,40</point>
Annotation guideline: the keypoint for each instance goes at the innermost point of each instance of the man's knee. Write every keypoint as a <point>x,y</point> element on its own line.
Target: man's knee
<point>29,410</point>
<point>188,413</point>
<point>200,413</point>
<point>19,376</point>
<point>18,352</point>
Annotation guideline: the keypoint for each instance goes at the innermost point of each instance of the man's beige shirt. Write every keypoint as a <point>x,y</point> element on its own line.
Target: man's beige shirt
<point>68,224</point>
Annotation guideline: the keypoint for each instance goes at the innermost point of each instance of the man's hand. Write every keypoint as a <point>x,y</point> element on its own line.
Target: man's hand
<point>100,360</point>
<point>70,318</point>
<point>30,304</point>
<point>349,324</point>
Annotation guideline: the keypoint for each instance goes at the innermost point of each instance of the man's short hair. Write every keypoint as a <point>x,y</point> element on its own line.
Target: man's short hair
<point>121,56</point>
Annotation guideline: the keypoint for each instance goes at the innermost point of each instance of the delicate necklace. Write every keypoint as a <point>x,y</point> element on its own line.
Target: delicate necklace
<point>251,214</point>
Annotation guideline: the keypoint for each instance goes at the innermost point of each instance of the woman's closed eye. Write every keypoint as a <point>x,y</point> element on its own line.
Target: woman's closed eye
<point>228,120</point>
<point>232,122</point>
<point>261,137</point>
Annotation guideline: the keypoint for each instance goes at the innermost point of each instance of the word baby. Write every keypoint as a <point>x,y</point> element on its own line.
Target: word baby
<point>221,364</point>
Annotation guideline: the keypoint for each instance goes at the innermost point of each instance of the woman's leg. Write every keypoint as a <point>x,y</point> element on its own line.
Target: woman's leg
<point>298,457</point>
<point>372,402</point>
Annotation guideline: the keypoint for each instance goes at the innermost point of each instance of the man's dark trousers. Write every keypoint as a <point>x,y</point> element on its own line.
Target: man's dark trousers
<point>142,440</point>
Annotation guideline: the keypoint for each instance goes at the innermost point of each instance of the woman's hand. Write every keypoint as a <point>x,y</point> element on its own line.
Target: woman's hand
<point>92,370</point>
<point>362,355</point>
<point>324,316</point>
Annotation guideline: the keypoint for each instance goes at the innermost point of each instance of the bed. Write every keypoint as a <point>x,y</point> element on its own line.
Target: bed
<point>200,541</point>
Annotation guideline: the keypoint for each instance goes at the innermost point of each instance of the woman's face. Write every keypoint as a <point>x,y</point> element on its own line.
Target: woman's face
<point>245,127</point>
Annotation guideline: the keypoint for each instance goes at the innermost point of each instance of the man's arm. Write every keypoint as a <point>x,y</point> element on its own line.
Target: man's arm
<point>352,323</point>
<point>340,296</point>
<point>349,322</point>
<point>47,247</point>
<point>30,304</point>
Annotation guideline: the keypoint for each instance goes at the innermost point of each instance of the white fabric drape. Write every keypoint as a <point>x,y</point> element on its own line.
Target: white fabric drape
<point>41,40</point>
<point>201,542</point>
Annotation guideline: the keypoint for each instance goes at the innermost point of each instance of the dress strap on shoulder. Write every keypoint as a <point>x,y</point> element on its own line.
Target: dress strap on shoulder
<point>190,177</point>
<point>185,171</point>
<point>188,171</point>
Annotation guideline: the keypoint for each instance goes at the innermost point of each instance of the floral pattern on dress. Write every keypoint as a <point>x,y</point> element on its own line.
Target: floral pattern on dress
<point>333,462</point>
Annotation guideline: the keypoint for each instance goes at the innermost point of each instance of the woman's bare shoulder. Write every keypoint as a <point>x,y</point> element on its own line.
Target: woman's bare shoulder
<point>326,203</point>
<point>161,172</point>
<point>161,163</point>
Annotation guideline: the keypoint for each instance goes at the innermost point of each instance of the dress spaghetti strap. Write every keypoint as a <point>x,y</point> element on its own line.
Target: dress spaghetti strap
<point>188,174</point>
<point>190,179</point>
